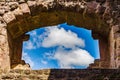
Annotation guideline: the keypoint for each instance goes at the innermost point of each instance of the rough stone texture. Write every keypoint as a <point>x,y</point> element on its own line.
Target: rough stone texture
<point>20,16</point>
<point>23,67</point>
<point>4,48</point>
<point>62,74</point>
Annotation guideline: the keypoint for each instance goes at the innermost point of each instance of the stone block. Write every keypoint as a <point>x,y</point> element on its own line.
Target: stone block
<point>116,35</point>
<point>9,17</point>
<point>24,7</point>
<point>18,12</point>
<point>91,7</point>
<point>32,3</point>
<point>34,8</point>
<point>13,5</point>
<point>2,11</point>
<point>116,28</point>
<point>2,23</point>
<point>118,43</point>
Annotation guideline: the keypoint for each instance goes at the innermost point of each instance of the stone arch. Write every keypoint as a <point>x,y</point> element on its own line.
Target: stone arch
<point>19,17</point>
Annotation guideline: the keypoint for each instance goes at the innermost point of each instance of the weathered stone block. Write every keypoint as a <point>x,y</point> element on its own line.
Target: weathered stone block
<point>24,7</point>
<point>13,5</point>
<point>118,43</point>
<point>18,12</point>
<point>9,17</point>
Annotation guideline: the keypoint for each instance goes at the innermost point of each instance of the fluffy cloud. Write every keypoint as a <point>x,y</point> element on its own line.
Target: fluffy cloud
<point>56,36</point>
<point>74,57</point>
<point>27,59</point>
<point>64,39</point>
<point>60,37</point>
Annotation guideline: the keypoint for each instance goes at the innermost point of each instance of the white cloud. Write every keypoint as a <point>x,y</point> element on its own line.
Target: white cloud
<point>60,37</point>
<point>56,36</point>
<point>27,59</point>
<point>34,42</point>
<point>29,45</point>
<point>74,57</point>
<point>44,62</point>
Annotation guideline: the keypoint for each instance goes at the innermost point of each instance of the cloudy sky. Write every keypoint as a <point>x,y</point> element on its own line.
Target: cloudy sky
<point>60,46</point>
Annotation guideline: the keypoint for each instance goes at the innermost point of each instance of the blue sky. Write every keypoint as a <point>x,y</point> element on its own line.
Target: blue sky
<point>60,46</point>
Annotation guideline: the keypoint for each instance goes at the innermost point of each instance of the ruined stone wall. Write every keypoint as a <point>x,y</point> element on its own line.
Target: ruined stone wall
<point>20,16</point>
<point>62,74</point>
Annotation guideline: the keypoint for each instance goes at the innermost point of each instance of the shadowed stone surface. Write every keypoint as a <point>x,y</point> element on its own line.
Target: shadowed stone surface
<point>62,74</point>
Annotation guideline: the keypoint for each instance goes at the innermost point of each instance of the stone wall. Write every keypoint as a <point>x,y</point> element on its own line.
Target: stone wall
<point>62,74</point>
<point>4,48</point>
<point>20,16</point>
